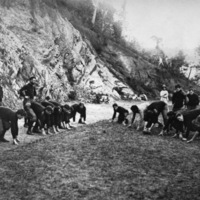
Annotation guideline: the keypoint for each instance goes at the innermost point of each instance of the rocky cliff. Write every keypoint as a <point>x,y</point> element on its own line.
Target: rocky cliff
<point>36,39</point>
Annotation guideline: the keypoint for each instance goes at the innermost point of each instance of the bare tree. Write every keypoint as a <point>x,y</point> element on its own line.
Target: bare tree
<point>96,4</point>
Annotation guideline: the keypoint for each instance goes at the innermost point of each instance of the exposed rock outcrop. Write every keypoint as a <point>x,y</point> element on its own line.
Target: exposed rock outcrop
<point>35,39</point>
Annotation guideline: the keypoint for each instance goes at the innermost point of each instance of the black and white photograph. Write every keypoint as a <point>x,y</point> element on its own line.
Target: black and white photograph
<point>99,99</point>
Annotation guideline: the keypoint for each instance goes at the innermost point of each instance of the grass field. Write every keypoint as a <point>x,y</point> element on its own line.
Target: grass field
<point>101,161</point>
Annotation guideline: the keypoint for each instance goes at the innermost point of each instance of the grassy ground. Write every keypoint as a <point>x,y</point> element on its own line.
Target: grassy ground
<point>101,161</point>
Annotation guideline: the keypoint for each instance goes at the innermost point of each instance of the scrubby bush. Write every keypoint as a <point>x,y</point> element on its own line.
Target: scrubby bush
<point>72,95</point>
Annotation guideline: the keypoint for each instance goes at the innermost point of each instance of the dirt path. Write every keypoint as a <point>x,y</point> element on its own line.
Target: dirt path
<point>95,113</point>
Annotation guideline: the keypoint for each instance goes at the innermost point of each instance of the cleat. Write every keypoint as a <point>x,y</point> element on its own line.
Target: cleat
<point>175,135</point>
<point>43,133</point>
<point>184,139</point>
<point>15,142</point>
<point>29,133</point>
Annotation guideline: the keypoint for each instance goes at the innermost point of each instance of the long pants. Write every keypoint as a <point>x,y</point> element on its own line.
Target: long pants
<point>191,127</point>
<point>57,118</point>
<point>154,118</point>
<point>31,116</point>
<point>164,114</point>
<point>50,120</point>
<point>121,118</point>
<point>4,126</point>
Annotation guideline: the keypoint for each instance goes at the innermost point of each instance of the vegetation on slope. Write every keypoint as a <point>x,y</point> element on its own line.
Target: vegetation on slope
<point>80,14</point>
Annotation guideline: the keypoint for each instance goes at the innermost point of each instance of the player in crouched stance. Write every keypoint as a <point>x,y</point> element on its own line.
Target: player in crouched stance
<point>9,120</point>
<point>152,113</point>
<point>138,110</point>
<point>196,127</point>
<point>174,121</point>
<point>123,113</point>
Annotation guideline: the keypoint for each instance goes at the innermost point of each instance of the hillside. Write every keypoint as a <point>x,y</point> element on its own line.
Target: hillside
<point>45,39</point>
<point>36,40</point>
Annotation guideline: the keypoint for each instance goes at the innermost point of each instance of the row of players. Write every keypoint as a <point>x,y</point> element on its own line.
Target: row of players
<point>49,115</point>
<point>182,121</point>
<point>45,117</point>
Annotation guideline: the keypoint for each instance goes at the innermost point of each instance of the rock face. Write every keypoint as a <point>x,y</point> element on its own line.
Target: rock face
<point>132,68</point>
<point>35,39</point>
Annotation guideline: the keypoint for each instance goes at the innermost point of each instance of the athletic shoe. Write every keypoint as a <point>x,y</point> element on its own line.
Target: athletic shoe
<point>3,140</point>
<point>15,142</point>
<point>43,133</point>
<point>184,139</point>
<point>68,127</point>
<point>58,130</point>
<point>29,133</point>
<point>49,133</point>
<point>54,131</point>
<point>175,135</point>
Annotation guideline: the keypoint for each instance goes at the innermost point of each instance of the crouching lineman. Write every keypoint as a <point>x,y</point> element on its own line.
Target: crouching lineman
<point>123,113</point>
<point>51,118</point>
<point>66,116</point>
<point>187,119</point>
<point>9,119</point>
<point>175,121</point>
<point>138,109</point>
<point>40,119</point>
<point>196,127</point>
<point>81,109</point>
<point>152,113</point>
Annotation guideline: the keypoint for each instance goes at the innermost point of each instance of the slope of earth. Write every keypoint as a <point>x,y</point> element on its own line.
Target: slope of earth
<point>101,161</point>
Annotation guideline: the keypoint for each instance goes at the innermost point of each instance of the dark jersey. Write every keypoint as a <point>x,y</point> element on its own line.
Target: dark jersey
<point>37,108</point>
<point>191,115</point>
<point>119,110</point>
<point>28,90</point>
<point>76,108</point>
<point>7,115</point>
<point>178,99</point>
<point>47,103</point>
<point>193,100</point>
<point>41,115</point>
<point>158,105</point>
